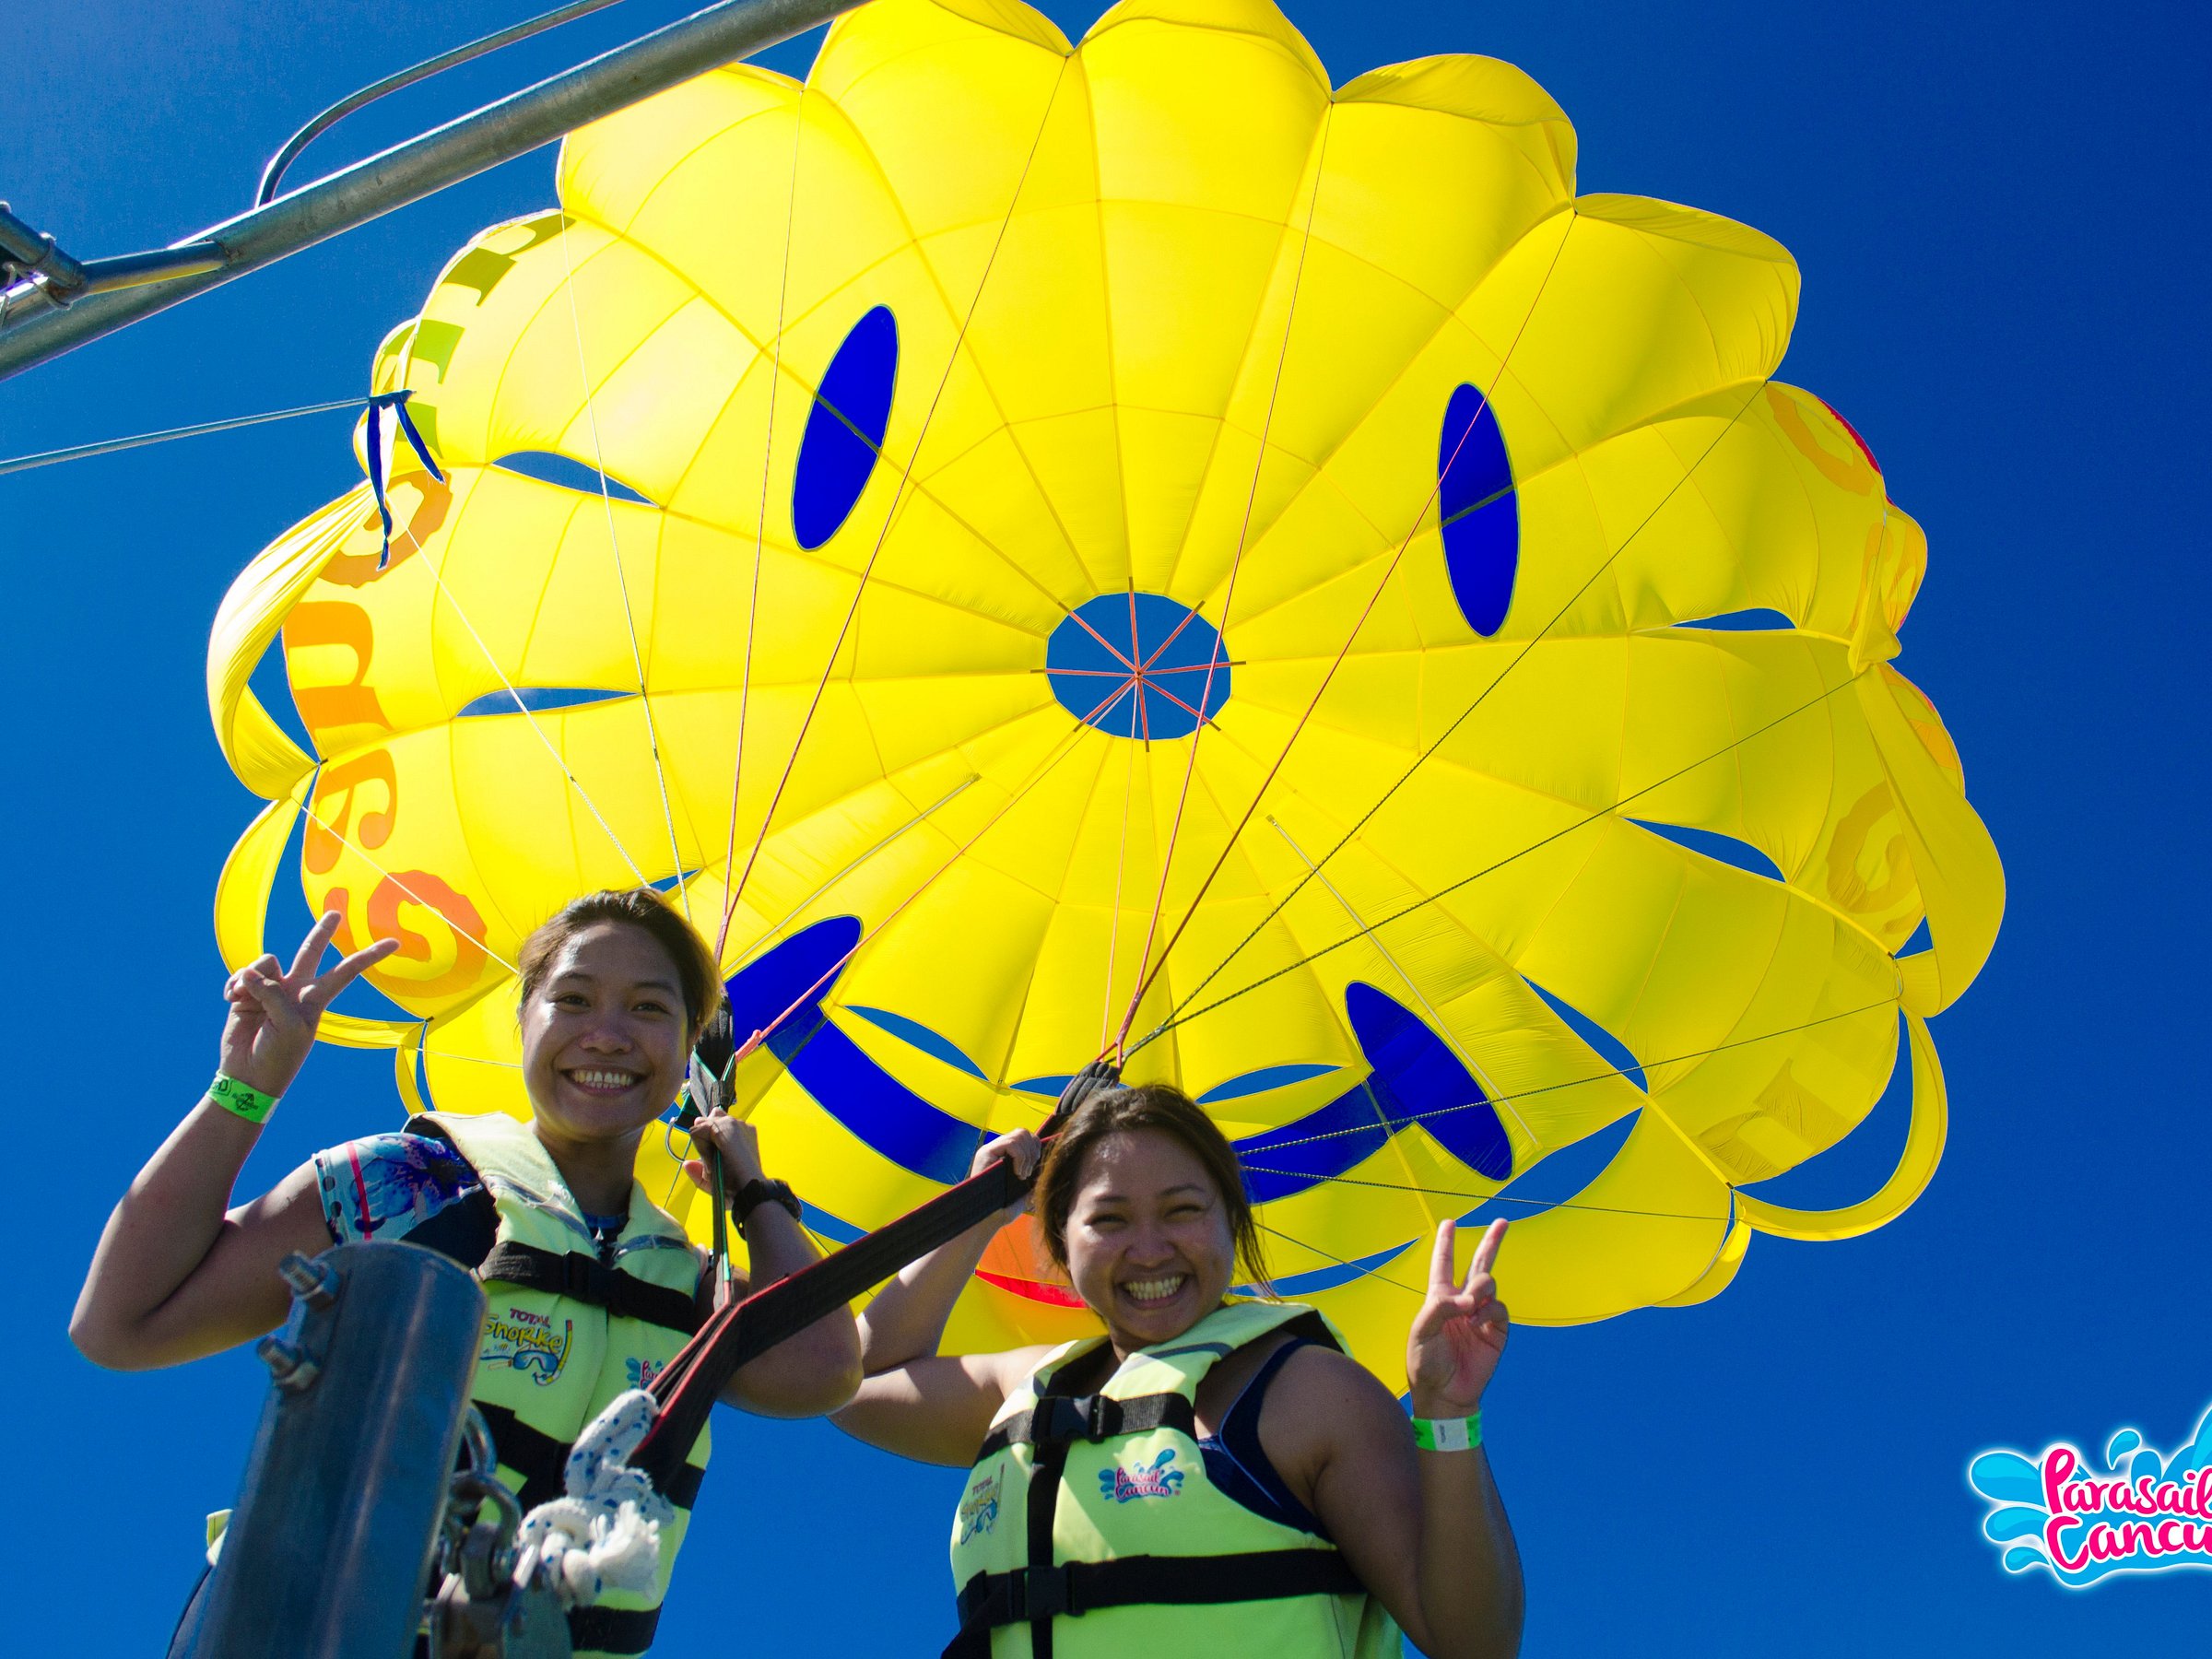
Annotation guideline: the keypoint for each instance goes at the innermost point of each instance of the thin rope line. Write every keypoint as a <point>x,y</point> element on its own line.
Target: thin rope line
<point>1066,746</point>
<point>1459,719</point>
<point>899,491</point>
<point>1229,599</point>
<point>768,453</point>
<point>109,446</point>
<point>1175,1019</point>
<point>1420,995</point>
<point>1358,623</point>
<point>1365,1272</point>
<point>770,931</point>
<point>1597,1077</point>
<point>529,718</point>
<point>614,548</point>
<point>1113,923</point>
<point>1482,1198</point>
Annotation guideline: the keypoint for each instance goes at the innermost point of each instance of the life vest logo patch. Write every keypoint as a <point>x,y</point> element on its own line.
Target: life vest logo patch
<point>642,1372</point>
<point>1153,1480</point>
<point>528,1342</point>
<point>979,1507</point>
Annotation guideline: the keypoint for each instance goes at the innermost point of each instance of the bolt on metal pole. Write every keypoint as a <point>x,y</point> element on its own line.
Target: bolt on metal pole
<point>408,171</point>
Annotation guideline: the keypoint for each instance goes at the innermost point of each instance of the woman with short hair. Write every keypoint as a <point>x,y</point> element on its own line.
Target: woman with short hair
<point>1213,1476</point>
<point>615,990</point>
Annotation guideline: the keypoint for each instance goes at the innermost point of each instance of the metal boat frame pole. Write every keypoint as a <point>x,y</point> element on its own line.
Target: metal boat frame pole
<point>41,319</point>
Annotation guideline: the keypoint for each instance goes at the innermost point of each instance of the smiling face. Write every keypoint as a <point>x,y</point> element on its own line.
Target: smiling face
<point>1150,1246</point>
<point>603,1035</point>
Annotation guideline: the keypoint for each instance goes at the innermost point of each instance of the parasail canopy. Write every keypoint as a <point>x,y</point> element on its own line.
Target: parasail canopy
<point>1048,551</point>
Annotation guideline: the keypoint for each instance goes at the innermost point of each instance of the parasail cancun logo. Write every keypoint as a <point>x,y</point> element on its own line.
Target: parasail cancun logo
<point>2144,1514</point>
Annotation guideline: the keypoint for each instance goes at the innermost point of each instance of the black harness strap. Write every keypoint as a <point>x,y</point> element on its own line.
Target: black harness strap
<point>612,1629</point>
<point>588,1279</point>
<point>991,1599</point>
<point>1068,1417</point>
<point>542,1461</point>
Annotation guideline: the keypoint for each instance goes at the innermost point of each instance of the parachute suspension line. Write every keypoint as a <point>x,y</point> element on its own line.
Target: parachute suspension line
<point>529,717</point>
<point>898,494</point>
<point>1480,697</point>
<point>1436,1019</point>
<point>752,607</point>
<point>860,858</point>
<point>613,551</point>
<point>1065,746</point>
<point>1361,1268</point>
<point>1647,1068</point>
<point>1584,822</point>
<point>1146,971</point>
<point>307,807</point>
<point>1328,676</point>
<point>1121,869</point>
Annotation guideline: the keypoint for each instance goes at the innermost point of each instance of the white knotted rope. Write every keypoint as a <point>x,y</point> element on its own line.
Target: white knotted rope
<point>606,1533</point>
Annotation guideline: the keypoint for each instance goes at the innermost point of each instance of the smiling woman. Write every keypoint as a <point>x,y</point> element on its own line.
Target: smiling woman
<point>1307,1516</point>
<point>591,1285</point>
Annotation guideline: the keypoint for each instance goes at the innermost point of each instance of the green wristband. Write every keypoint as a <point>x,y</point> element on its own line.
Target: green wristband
<point>1448,1434</point>
<point>240,1100</point>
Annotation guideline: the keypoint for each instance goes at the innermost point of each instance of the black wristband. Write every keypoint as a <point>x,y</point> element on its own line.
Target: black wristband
<point>758,1192</point>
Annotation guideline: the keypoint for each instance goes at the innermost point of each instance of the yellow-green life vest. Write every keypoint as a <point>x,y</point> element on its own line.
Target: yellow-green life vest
<point>565,1332</point>
<point>1089,1528</point>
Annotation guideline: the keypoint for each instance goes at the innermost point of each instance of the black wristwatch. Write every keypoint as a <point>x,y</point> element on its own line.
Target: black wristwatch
<point>758,1192</point>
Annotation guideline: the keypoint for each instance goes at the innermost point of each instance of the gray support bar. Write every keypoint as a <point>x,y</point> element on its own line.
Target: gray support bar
<point>326,1553</point>
<point>407,173</point>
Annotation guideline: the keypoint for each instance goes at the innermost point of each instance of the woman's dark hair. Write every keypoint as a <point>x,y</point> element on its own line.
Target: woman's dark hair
<point>1121,1110</point>
<point>638,907</point>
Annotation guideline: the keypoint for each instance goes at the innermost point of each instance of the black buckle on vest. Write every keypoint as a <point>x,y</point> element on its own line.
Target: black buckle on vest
<point>1039,1593</point>
<point>1065,1418</point>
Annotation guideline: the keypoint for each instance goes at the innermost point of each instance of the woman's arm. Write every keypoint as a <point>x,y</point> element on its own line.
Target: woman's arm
<point>911,1401</point>
<point>1425,1531</point>
<point>818,1370</point>
<point>175,1276</point>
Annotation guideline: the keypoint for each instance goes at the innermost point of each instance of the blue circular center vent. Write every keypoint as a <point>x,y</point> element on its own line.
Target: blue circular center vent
<point>1136,665</point>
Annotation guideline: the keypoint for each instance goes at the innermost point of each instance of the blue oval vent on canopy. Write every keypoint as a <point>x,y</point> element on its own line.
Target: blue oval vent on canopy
<point>1137,665</point>
<point>1479,514</point>
<point>846,427</point>
<point>1414,1077</point>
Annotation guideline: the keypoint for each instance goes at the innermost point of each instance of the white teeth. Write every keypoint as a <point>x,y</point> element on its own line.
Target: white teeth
<point>1157,1290</point>
<point>604,1080</point>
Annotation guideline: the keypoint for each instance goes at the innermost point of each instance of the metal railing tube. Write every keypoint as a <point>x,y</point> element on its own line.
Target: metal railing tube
<point>408,171</point>
<point>327,1552</point>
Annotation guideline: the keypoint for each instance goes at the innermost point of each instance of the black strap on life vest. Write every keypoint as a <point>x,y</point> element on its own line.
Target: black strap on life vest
<point>1037,1595</point>
<point>542,1462</point>
<point>588,1279</point>
<point>612,1629</point>
<point>1067,1418</point>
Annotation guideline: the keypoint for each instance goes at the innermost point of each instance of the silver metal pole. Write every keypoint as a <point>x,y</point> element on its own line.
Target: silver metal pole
<point>326,1554</point>
<point>407,173</point>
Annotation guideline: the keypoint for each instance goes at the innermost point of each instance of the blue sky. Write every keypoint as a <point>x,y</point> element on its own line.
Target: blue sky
<point>2002,291</point>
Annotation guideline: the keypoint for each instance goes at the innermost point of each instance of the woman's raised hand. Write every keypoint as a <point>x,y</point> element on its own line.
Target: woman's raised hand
<point>1018,1147</point>
<point>1459,1334</point>
<point>274,1013</point>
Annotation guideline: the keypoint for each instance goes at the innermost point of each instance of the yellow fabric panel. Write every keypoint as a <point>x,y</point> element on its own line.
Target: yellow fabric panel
<point>1915,1167</point>
<point>1170,316</point>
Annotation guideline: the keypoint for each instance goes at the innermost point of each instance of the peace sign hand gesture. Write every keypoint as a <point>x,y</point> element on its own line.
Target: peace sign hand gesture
<point>1459,1334</point>
<point>274,1013</point>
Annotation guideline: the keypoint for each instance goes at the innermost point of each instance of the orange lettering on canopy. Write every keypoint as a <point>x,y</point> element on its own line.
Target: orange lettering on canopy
<point>353,702</point>
<point>409,531</point>
<point>326,836</point>
<point>425,892</point>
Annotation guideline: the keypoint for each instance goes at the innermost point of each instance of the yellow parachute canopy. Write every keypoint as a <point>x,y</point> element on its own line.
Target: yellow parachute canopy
<point>1008,523</point>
